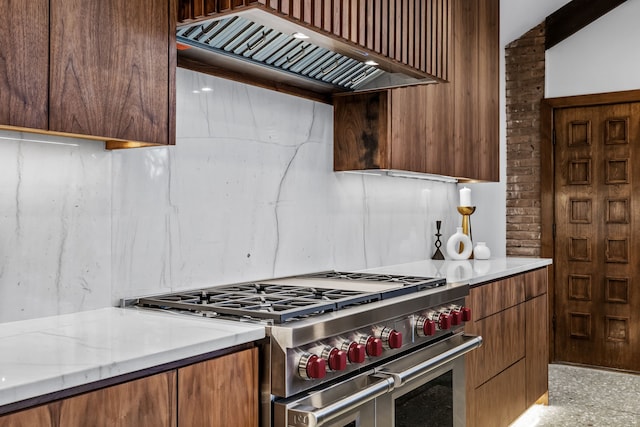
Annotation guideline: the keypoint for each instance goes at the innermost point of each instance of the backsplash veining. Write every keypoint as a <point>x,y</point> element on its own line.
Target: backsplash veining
<point>247,193</point>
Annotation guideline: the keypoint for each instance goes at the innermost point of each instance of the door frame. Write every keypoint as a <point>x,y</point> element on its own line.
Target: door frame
<point>547,184</point>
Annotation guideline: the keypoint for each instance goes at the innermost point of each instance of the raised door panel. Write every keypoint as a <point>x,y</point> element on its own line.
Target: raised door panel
<point>149,401</point>
<point>225,387</point>
<point>41,416</point>
<point>111,73</point>
<point>503,344</point>
<point>500,401</point>
<point>24,63</point>
<point>537,348</point>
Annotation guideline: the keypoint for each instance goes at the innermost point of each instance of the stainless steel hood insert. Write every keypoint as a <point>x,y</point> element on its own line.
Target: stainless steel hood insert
<point>246,42</point>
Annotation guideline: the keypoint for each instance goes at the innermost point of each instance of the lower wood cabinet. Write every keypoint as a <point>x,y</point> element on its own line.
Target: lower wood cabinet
<point>217,392</point>
<point>149,401</point>
<point>220,392</point>
<point>509,372</point>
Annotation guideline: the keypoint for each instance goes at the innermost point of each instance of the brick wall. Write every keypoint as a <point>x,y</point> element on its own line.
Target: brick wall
<point>525,68</point>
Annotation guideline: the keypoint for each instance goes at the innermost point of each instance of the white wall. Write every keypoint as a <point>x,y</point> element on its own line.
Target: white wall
<point>602,57</point>
<point>247,193</point>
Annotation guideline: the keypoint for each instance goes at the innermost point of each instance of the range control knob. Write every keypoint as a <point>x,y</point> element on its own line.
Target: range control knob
<point>311,366</point>
<point>390,338</point>
<point>372,345</point>
<point>425,327</point>
<point>356,353</point>
<point>456,315</point>
<point>441,318</point>
<point>336,359</point>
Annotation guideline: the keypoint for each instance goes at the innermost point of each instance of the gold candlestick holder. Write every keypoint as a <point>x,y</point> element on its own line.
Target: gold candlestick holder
<point>466,212</point>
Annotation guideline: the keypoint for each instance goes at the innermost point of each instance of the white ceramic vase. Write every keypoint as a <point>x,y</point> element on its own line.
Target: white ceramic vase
<point>481,251</point>
<point>454,241</point>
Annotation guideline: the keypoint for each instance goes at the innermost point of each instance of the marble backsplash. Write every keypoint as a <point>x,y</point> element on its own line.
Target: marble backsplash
<point>247,193</point>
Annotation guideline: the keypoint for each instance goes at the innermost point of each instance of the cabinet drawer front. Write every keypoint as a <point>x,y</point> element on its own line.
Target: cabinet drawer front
<point>503,344</point>
<point>496,296</point>
<point>501,400</point>
<point>535,283</point>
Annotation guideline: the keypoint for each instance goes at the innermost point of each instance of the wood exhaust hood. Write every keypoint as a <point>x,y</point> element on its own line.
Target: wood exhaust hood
<point>260,44</point>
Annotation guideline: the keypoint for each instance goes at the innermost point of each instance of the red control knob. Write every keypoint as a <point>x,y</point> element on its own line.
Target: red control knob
<point>336,359</point>
<point>311,366</point>
<point>356,353</point>
<point>444,321</point>
<point>425,327</point>
<point>372,345</point>
<point>394,339</point>
<point>466,314</point>
<point>456,317</point>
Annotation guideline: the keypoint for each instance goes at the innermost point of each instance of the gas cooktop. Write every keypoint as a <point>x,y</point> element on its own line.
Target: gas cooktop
<point>293,298</point>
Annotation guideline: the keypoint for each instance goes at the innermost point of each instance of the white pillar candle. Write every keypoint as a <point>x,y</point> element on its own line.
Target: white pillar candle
<point>465,196</point>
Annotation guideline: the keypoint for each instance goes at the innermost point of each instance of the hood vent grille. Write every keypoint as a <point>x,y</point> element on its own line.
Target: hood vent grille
<point>243,39</point>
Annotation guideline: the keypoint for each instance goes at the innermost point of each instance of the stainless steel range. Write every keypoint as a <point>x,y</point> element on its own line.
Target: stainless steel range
<point>349,349</point>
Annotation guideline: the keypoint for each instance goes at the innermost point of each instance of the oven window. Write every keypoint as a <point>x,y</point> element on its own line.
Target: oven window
<point>430,405</point>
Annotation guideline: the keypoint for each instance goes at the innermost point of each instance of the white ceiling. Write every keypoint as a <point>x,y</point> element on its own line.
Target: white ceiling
<point>519,16</point>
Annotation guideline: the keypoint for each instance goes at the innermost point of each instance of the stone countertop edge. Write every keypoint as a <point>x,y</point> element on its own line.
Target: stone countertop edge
<point>50,354</point>
<point>471,271</point>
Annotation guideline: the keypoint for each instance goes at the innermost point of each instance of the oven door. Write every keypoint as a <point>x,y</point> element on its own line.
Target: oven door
<point>429,386</point>
<point>386,395</point>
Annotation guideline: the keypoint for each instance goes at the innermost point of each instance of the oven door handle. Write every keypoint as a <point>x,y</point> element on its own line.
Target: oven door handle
<point>469,342</point>
<point>312,417</point>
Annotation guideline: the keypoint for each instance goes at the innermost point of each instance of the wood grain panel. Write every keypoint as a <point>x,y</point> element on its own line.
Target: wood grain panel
<point>503,344</point>
<point>220,392</point>
<point>535,283</point>
<point>149,401</point>
<point>24,63</point>
<point>496,296</point>
<point>107,79</point>
<point>361,131</point>
<point>40,416</point>
<point>501,400</point>
<point>408,125</point>
<point>537,348</point>
<point>596,323</point>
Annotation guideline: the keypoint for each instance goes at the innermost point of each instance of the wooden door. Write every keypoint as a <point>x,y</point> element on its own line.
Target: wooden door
<point>597,241</point>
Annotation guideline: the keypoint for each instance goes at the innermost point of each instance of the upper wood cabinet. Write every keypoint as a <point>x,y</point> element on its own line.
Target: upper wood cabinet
<point>416,33</point>
<point>446,129</point>
<point>103,70</point>
<point>24,63</point>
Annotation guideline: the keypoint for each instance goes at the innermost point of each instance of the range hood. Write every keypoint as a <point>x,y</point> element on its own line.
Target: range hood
<point>259,43</point>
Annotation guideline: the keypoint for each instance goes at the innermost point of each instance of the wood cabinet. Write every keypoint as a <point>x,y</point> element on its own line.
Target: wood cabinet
<point>220,391</point>
<point>416,33</point>
<point>24,62</point>
<point>103,70</point>
<point>149,401</point>
<point>509,372</point>
<point>447,129</point>
<point>226,386</point>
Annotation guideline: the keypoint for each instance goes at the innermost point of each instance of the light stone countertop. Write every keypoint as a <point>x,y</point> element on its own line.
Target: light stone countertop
<point>473,272</point>
<point>50,354</point>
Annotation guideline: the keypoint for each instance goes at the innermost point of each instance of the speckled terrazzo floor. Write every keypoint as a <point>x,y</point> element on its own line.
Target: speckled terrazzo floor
<point>587,397</point>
